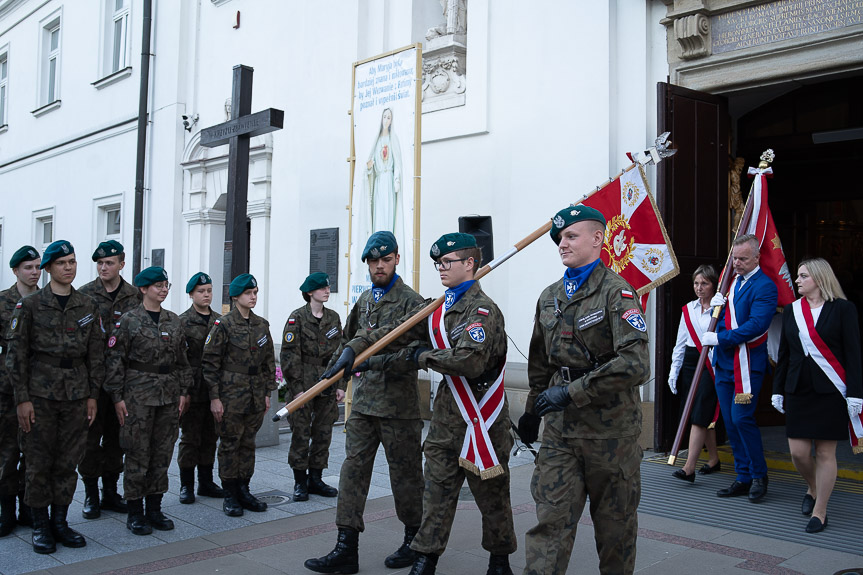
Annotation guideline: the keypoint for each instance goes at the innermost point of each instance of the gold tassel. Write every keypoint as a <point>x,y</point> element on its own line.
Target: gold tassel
<point>743,398</point>
<point>857,449</point>
<point>470,466</point>
<point>712,425</point>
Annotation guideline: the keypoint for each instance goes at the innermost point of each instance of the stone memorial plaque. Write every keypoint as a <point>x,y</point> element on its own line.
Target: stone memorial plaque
<point>324,254</point>
<point>781,20</point>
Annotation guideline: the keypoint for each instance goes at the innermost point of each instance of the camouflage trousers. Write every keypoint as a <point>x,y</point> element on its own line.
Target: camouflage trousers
<point>148,437</point>
<point>198,438</point>
<point>311,433</point>
<point>570,470</point>
<point>54,447</point>
<point>444,478</point>
<point>11,473</point>
<point>103,455</point>
<point>402,440</point>
<point>237,444</point>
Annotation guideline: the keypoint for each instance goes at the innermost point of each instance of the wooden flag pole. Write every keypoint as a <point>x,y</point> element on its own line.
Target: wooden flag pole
<point>651,156</point>
<point>727,274</point>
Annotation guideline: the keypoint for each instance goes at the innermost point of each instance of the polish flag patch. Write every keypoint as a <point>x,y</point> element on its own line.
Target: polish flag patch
<point>291,321</point>
<point>481,311</point>
<point>18,305</point>
<point>627,294</point>
<point>217,322</point>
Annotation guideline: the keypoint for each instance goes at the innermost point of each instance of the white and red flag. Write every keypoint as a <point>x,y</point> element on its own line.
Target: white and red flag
<point>636,243</point>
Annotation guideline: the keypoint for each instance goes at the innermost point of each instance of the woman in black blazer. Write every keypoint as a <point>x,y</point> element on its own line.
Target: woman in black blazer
<point>816,408</point>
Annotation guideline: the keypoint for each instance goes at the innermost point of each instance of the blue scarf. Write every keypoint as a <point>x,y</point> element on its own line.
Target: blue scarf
<point>454,294</point>
<point>378,293</point>
<point>574,277</point>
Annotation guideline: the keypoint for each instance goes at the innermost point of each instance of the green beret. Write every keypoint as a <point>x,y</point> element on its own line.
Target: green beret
<point>150,276</point>
<point>379,245</point>
<point>199,279</point>
<point>451,243</point>
<point>24,254</point>
<point>108,249</point>
<point>241,283</point>
<point>58,249</point>
<point>315,281</point>
<point>571,215</point>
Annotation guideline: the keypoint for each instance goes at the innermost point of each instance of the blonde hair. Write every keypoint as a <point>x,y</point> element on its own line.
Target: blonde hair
<point>823,276</point>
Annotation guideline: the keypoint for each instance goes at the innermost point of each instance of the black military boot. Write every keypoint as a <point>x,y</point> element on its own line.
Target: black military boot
<point>301,485</point>
<point>111,500</point>
<point>231,505</point>
<point>43,539</point>
<point>498,565</point>
<point>92,508</point>
<point>425,564</point>
<point>206,486</point>
<point>24,516</point>
<point>404,556</point>
<point>247,500</point>
<point>317,485</point>
<point>187,485</point>
<point>135,521</point>
<point>61,530</point>
<point>7,515</point>
<point>154,515</point>
<point>343,559</point>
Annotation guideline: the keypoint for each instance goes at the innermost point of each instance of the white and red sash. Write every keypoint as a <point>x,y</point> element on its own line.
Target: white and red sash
<point>691,319</point>
<point>828,363</point>
<point>477,452</point>
<point>742,367</point>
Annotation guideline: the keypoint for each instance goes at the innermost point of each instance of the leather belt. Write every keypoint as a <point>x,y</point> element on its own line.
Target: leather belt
<point>570,374</point>
<point>150,368</point>
<point>61,362</point>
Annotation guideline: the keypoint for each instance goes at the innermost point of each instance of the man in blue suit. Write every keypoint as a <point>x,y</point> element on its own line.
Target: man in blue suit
<point>740,361</point>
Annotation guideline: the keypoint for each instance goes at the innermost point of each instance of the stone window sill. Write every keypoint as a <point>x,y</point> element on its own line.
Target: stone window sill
<point>46,108</point>
<point>112,78</point>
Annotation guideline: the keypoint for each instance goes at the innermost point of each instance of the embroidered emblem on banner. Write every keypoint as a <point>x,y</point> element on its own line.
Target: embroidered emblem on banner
<point>617,246</point>
<point>652,260</point>
<point>112,341</point>
<point>633,318</point>
<point>630,194</point>
<point>289,337</point>
<point>476,332</point>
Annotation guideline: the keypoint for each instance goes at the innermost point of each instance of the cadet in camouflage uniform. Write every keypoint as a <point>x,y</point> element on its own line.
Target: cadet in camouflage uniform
<point>239,367</point>
<point>25,265</point>
<point>311,335</point>
<point>148,376</point>
<point>104,457</point>
<point>385,410</point>
<point>198,438</point>
<point>56,365</point>
<point>588,356</point>
<point>474,327</point>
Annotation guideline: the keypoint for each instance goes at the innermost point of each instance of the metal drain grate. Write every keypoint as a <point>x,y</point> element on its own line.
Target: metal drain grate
<point>273,499</point>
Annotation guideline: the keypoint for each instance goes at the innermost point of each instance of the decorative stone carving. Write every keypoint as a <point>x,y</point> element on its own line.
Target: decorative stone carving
<point>693,35</point>
<point>445,59</point>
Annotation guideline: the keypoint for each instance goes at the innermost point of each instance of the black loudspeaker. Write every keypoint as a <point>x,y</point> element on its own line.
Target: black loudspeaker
<point>480,228</point>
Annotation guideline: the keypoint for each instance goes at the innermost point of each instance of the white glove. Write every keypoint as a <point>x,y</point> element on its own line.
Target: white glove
<point>718,300</point>
<point>777,401</point>
<point>672,384</point>
<point>709,338</point>
<point>855,405</point>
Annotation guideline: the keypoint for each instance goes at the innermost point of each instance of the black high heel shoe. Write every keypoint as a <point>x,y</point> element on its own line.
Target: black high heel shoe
<point>680,474</point>
<point>707,469</point>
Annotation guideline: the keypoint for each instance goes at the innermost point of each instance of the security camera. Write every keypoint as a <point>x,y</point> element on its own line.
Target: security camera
<point>189,121</point>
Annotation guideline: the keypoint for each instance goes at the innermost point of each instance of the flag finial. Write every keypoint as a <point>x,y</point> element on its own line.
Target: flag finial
<point>766,158</point>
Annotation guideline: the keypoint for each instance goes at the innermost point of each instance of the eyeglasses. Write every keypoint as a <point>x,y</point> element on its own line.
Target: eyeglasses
<point>445,265</point>
<point>162,286</point>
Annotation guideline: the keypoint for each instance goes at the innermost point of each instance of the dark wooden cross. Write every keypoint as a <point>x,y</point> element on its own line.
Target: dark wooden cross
<point>236,133</point>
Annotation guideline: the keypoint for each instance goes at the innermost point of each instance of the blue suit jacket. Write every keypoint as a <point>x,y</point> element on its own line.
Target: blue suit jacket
<point>755,305</point>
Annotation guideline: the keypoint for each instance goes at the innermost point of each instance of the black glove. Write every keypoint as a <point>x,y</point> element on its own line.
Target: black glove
<point>554,398</point>
<point>415,356</point>
<point>345,361</point>
<point>364,366</point>
<point>528,427</point>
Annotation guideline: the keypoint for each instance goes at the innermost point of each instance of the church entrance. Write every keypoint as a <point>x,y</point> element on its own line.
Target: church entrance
<point>815,128</point>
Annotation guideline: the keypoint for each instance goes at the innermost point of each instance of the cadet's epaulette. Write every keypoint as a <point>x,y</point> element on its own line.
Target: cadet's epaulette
<point>291,321</point>
<point>481,311</point>
<point>627,294</point>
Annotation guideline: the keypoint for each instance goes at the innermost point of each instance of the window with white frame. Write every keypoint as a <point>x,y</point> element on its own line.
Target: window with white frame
<point>4,85</point>
<point>43,234</point>
<point>116,36</point>
<point>50,73</point>
<point>110,216</point>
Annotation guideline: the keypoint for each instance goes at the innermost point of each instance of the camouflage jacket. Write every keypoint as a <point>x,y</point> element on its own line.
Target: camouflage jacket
<point>601,337</point>
<point>239,364</point>
<point>307,344</point>
<point>146,362</point>
<point>8,299</point>
<point>196,330</point>
<point>111,310</point>
<point>475,329</point>
<point>55,353</point>
<point>383,391</point>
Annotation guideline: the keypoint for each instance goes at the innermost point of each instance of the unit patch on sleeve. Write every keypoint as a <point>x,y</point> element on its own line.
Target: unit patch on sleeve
<point>633,318</point>
<point>14,321</point>
<point>289,337</point>
<point>112,341</point>
<point>476,332</point>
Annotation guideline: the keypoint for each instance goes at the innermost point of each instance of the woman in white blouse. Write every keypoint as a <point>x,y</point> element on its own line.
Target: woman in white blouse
<point>684,360</point>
